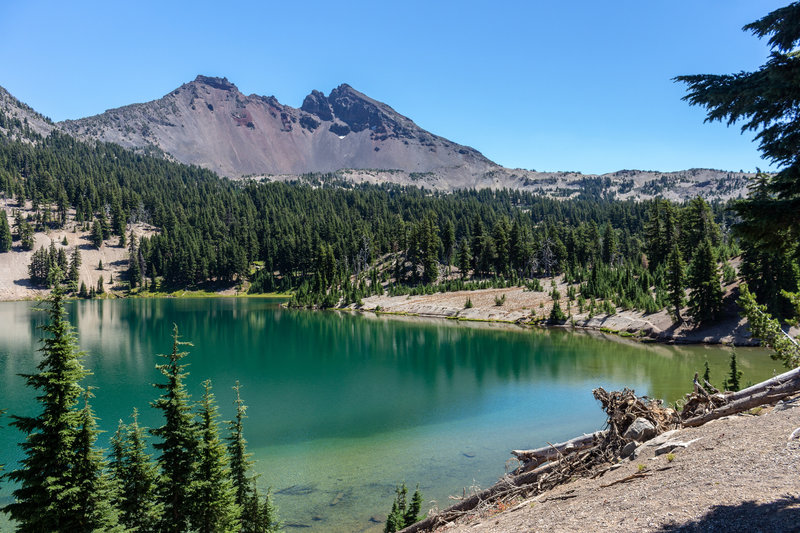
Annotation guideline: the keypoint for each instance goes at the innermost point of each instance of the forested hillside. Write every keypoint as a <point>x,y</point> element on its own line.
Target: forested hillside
<point>334,242</point>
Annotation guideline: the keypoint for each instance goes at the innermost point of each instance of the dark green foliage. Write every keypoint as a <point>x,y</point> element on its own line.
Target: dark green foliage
<point>768,272</point>
<point>95,490</point>
<point>178,444</point>
<point>47,498</point>
<point>266,514</point>
<point>464,258</point>
<point>765,101</point>
<point>214,507</point>
<point>396,519</point>
<point>448,242</point>
<point>136,477</point>
<point>240,464</point>
<point>556,314</point>
<point>609,244</point>
<point>74,265</point>
<point>676,281</point>
<point>696,224</point>
<point>734,376</point>
<point>403,513</point>
<point>5,233</point>
<point>705,299</point>
<point>412,515</point>
<point>135,263</point>
<point>83,291</point>
<point>768,330</point>
<point>706,372</point>
<point>24,232</point>
<point>97,235</point>
<point>256,516</point>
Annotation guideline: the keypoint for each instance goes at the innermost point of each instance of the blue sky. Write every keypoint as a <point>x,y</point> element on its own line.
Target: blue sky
<point>575,85</point>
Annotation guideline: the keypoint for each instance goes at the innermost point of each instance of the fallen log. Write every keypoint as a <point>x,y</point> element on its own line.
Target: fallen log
<point>473,501</point>
<point>768,391</point>
<point>554,451</point>
<point>790,376</point>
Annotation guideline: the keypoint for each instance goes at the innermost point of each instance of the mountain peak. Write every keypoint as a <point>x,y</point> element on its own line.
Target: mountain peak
<point>209,122</point>
<point>215,82</point>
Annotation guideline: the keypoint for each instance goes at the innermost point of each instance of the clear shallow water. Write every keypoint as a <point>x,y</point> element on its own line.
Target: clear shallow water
<point>344,407</point>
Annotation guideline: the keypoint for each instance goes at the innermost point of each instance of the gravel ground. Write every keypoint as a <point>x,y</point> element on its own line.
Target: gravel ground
<point>742,474</point>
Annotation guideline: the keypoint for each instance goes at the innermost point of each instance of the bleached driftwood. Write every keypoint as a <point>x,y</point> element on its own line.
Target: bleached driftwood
<point>765,392</point>
<point>505,485</point>
<point>553,451</point>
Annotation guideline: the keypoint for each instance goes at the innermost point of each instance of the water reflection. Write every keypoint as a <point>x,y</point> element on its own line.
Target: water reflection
<point>339,399</point>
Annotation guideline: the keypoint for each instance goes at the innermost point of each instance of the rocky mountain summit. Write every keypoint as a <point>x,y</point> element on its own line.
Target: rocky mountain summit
<point>345,136</point>
<point>209,122</point>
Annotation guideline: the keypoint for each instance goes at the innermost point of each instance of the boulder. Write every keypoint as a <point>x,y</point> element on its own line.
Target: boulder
<point>628,449</point>
<point>641,430</point>
<point>661,439</point>
<point>673,445</point>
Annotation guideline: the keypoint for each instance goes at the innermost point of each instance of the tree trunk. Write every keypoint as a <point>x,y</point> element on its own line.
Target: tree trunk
<point>766,392</point>
<point>553,451</point>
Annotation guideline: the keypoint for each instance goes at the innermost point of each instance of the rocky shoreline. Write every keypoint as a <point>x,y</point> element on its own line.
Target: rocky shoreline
<point>529,308</point>
<point>738,473</point>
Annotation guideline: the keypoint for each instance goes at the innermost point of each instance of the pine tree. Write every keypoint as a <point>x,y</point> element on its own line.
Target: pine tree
<point>179,442</point>
<point>705,299</point>
<point>464,258</point>
<point>213,495</point>
<point>412,513</point>
<point>239,458</point>
<point>97,235</point>
<point>448,242</point>
<point>134,266</point>
<point>256,517</point>
<point>95,490</point>
<point>396,519</point>
<point>136,477</point>
<point>501,247</point>
<point>733,382</point>
<point>676,281</point>
<point>5,233</point>
<point>73,273</point>
<point>267,515</point>
<point>46,498</point>
<point>765,101</point>
<point>610,245</point>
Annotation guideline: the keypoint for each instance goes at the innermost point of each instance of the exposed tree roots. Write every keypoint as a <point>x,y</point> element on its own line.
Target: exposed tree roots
<point>592,455</point>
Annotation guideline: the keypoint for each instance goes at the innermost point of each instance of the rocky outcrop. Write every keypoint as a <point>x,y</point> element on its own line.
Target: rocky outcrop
<point>210,123</point>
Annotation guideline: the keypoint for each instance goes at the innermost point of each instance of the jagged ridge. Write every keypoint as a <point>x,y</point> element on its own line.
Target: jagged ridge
<point>209,122</point>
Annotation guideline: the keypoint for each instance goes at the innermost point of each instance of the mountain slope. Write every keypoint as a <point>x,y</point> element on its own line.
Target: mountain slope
<point>19,121</point>
<point>343,136</point>
<point>210,123</point>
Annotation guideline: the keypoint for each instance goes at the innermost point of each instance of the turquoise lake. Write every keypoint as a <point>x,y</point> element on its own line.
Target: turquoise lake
<point>343,407</point>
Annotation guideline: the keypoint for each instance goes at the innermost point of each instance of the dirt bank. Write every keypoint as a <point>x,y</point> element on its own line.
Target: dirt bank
<point>740,473</point>
<point>14,277</point>
<point>530,307</point>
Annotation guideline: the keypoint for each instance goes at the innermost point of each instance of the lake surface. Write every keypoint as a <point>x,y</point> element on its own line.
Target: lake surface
<point>343,407</point>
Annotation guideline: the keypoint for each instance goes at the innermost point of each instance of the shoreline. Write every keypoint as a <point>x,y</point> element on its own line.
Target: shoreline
<point>531,309</point>
<point>520,307</point>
